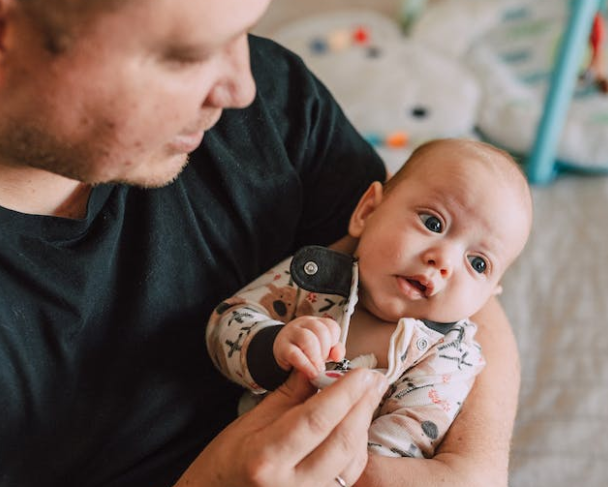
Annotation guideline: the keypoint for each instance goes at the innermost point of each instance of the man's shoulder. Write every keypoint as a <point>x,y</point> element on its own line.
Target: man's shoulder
<point>268,52</point>
<point>281,76</point>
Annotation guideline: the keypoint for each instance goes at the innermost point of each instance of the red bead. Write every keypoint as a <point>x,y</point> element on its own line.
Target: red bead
<point>361,35</point>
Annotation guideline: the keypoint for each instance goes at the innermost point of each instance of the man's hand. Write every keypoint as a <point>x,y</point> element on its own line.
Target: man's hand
<point>306,343</point>
<point>294,437</point>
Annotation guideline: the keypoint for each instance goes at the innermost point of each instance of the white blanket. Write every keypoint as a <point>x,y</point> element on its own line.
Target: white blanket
<point>556,296</point>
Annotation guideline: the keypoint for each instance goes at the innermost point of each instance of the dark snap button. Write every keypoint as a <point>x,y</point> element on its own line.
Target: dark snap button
<point>311,268</point>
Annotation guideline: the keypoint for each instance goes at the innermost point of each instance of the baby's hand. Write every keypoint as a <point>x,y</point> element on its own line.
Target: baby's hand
<point>306,343</point>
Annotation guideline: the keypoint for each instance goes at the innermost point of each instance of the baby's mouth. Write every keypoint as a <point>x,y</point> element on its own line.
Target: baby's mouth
<point>422,284</point>
<point>417,284</point>
<point>415,287</point>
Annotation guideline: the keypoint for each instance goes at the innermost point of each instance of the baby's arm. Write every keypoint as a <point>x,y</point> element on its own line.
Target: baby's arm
<point>241,330</point>
<point>238,332</point>
<point>306,343</point>
<point>249,342</point>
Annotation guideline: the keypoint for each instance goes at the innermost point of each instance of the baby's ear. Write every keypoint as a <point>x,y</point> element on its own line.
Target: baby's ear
<point>367,205</point>
<point>498,290</point>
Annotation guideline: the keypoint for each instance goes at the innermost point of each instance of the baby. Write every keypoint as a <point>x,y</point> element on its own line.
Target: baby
<point>431,247</point>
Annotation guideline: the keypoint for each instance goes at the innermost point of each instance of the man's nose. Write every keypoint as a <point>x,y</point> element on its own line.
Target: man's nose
<point>235,87</point>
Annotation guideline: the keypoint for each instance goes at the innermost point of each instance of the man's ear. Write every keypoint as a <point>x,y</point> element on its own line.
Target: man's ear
<point>367,205</point>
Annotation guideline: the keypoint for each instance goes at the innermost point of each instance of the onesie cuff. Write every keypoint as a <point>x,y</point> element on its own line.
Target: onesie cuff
<point>263,368</point>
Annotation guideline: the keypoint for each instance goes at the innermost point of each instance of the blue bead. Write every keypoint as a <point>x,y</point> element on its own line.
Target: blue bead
<point>373,139</point>
<point>318,46</point>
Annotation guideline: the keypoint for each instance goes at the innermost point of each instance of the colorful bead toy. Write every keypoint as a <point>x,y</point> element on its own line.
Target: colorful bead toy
<point>341,39</point>
<point>395,140</point>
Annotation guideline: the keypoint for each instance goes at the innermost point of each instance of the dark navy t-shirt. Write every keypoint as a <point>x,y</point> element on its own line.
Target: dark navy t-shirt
<point>104,375</point>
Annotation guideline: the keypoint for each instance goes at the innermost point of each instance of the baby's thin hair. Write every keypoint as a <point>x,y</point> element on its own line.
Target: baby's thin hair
<point>505,167</point>
<point>420,151</point>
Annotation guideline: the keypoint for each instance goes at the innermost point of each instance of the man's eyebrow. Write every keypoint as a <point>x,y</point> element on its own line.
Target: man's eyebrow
<point>186,50</point>
<point>191,49</point>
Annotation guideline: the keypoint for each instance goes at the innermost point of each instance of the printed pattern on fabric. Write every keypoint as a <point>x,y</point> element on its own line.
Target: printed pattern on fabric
<point>431,373</point>
<point>272,299</point>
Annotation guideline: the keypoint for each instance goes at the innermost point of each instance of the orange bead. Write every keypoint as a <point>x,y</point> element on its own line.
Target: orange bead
<point>397,139</point>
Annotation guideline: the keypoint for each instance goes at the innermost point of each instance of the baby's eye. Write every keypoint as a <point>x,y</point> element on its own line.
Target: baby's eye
<point>478,264</point>
<point>431,222</point>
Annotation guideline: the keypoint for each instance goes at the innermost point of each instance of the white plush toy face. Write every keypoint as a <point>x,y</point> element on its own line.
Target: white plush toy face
<point>396,92</point>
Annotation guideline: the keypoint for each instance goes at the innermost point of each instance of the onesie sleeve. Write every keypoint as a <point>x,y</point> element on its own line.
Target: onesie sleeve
<point>422,403</point>
<point>241,330</point>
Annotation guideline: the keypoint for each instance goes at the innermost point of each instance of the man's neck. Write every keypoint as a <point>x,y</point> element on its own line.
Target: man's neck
<point>38,192</point>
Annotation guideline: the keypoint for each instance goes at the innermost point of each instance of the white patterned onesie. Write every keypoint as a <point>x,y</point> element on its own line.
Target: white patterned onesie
<point>432,365</point>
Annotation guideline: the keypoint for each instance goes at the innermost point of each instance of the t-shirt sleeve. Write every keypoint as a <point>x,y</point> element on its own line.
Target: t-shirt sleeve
<point>335,164</point>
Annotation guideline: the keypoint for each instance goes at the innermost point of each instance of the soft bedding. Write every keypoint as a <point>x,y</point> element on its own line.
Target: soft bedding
<point>556,296</point>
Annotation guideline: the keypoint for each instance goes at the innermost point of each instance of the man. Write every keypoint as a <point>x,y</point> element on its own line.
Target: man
<point>113,252</point>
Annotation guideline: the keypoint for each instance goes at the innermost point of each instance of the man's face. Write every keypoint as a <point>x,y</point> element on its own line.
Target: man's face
<point>129,99</point>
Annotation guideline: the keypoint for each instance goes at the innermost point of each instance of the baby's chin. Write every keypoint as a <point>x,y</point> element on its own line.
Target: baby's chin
<point>391,311</point>
<point>440,316</point>
<point>434,315</point>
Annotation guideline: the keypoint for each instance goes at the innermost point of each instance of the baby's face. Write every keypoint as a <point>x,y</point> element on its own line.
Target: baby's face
<point>436,245</point>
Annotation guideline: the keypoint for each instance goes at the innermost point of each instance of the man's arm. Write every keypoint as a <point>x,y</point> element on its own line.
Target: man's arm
<point>475,451</point>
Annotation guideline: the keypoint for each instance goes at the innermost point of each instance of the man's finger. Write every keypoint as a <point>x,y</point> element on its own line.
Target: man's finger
<point>293,392</point>
<point>301,430</point>
<point>344,451</point>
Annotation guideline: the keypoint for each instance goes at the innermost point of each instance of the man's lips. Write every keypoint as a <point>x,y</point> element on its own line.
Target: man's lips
<point>187,142</point>
<point>191,138</point>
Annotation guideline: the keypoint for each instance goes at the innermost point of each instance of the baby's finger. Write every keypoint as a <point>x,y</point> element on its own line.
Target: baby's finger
<point>337,352</point>
<point>327,332</point>
<point>300,360</point>
<point>331,327</point>
<point>334,329</point>
<point>310,341</point>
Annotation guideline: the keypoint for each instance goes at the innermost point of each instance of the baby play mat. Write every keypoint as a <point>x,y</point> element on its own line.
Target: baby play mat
<point>511,47</point>
<point>396,91</point>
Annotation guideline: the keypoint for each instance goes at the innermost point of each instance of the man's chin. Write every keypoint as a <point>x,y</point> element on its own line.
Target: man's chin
<point>153,179</point>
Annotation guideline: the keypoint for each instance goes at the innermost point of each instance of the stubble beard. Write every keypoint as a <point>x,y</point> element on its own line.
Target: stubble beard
<point>30,147</point>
